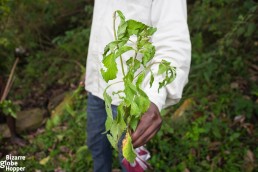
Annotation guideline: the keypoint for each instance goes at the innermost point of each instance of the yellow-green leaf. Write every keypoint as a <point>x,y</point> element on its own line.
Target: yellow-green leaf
<point>128,150</point>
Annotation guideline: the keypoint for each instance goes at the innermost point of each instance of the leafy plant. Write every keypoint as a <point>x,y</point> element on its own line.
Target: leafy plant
<point>134,101</point>
<point>8,108</point>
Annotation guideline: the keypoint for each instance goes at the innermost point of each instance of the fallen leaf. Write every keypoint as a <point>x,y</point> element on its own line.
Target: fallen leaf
<point>214,145</point>
<point>44,161</point>
<point>239,119</point>
<point>181,110</point>
<point>249,128</point>
<point>249,161</point>
<point>186,170</point>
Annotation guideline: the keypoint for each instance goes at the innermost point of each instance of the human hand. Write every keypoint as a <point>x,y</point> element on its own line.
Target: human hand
<point>148,126</point>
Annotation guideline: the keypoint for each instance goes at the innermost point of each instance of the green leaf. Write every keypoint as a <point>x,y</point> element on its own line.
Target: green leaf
<point>128,150</point>
<point>135,27</point>
<point>129,62</point>
<point>133,64</point>
<point>134,123</point>
<point>108,124</point>
<point>135,109</point>
<point>151,79</point>
<point>163,66</point>
<point>148,52</point>
<point>111,71</point>
<point>112,141</point>
<point>111,47</point>
<point>114,131</point>
<point>130,91</point>
<point>142,101</point>
<point>122,50</point>
<point>108,101</point>
<point>151,31</point>
<point>168,70</point>
<point>121,126</point>
<point>122,30</point>
<point>140,79</point>
<point>121,15</point>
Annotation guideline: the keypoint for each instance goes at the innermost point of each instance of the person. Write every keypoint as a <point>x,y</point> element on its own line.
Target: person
<point>172,42</point>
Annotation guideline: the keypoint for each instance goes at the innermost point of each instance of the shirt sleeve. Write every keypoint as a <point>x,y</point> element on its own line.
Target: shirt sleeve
<point>172,42</point>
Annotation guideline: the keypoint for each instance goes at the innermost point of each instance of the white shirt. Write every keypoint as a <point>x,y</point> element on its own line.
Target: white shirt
<point>171,40</point>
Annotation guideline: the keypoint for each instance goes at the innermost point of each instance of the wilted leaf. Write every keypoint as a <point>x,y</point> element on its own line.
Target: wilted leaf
<point>128,151</point>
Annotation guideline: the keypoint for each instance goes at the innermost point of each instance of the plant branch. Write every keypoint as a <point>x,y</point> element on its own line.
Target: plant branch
<point>9,82</point>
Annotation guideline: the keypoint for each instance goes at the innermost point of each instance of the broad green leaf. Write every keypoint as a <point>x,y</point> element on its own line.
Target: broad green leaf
<point>134,64</point>
<point>120,111</point>
<point>148,52</point>
<point>128,150</point>
<point>130,91</point>
<point>109,120</point>
<point>163,66</point>
<point>111,71</point>
<point>134,123</point>
<point>170,73</point>
<point>137,65</point>
<point>111,47</point>
<point>108,123</point>
<point>142,101</point>
<point>122,30</point>
<point>112,141</point>
<point>142,43</point>
<point>151,31</point>
<point>129,62</point>
<point>114,131</point>
<point>135,27</point>
<point>121,127</point>
<point>140,79</point>
<point>135,109</point>
<point>122,50</point>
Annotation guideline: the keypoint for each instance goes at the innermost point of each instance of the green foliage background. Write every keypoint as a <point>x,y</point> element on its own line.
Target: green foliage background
<point>223,85</point>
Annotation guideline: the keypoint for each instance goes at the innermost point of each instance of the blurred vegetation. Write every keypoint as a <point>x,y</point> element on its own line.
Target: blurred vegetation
<point>214,128</point>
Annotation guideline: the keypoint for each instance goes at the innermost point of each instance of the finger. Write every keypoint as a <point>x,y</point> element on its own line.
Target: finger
<point>145,137</point>
<point>147,125</point>
<point>152,135</point>
<point>141,128</point>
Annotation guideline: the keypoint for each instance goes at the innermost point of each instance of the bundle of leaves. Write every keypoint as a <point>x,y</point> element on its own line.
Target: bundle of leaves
<point>134,101</point>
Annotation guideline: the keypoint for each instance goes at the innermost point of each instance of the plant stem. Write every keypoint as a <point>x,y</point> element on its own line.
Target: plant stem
<point>111,85</point>
<point>9,82</point>
<point>114,30</point>
<point>147,68</point>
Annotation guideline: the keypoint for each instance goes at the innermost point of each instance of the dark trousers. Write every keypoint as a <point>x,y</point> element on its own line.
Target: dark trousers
<point>97,142</point>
